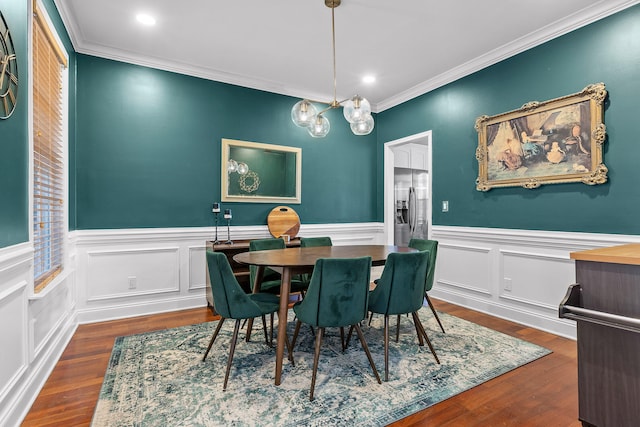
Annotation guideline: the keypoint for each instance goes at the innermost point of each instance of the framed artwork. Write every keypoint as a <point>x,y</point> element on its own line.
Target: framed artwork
<point>548,142</point>
<point>260,173</point>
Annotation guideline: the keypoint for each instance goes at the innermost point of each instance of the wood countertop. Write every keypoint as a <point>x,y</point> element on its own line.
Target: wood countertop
<point>623,254</point>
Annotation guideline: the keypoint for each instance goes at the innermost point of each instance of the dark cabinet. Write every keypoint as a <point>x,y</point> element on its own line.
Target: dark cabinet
<point>605,302</point>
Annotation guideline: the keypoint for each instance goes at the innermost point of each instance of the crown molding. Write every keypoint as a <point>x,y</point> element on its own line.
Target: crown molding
<point>556,29</point>
<point>549,32</point>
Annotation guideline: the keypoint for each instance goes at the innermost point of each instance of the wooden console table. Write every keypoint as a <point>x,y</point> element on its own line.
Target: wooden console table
<point>241,271</point>
<point>605,302</point>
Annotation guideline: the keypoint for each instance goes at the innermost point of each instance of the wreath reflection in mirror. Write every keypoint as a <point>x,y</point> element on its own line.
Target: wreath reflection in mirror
<point>243,170</point>
<point>252,186</point>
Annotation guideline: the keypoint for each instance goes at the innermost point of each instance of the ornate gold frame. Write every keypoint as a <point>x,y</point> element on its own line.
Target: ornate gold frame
<point>550,142</point>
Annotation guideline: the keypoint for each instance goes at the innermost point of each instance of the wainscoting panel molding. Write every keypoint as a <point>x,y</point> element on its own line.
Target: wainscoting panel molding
<point>197,268</point>
<point>15,263</point>
<point>519,275</point>
<point>35,330</point>
<point>466,268</point>
<point>124,273</point>
<point>132,272</point>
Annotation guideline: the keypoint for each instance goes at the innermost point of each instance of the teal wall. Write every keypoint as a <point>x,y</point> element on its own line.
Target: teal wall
<point>14,135</point>
<point>149,146</point>
<point>144,147</point>
<point>606,51</point>
<point>14,141</point>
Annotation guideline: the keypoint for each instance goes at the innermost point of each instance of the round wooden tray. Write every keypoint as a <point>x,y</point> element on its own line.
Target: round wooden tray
<point>282,220</point>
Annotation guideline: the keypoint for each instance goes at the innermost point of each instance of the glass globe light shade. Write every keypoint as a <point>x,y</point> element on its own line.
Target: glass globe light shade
<point>356,109</point>
<point>232,166</point>
<point>242,168</point>
<point>303,113</point>
<point>320,127</point>
<point>363,127</point>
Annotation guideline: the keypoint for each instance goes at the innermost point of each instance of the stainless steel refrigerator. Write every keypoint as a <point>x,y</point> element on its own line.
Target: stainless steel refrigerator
<point>411,199</point>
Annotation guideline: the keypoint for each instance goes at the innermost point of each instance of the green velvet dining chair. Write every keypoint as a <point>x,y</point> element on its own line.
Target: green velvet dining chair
<point>432,247</point>
<point>400,290</point>
<point>307,242</point>
<point>231,302</point>
<point>337,297</point>
<point>271,279</point>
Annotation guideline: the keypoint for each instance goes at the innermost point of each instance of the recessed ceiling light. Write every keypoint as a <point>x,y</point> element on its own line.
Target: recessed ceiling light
<point>368,79</point>
<point>146,19</point>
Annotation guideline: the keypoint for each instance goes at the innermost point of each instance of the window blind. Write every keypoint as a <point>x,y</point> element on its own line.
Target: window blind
<point>48,159</point>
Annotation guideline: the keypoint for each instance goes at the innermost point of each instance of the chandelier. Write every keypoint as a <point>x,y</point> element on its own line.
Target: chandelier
<point>356,110</point>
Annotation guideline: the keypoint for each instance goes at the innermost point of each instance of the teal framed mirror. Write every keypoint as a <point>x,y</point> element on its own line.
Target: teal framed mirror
<point>260,173</point>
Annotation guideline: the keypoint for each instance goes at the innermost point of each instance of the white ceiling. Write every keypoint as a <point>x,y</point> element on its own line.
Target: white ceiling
<point>284,46</point>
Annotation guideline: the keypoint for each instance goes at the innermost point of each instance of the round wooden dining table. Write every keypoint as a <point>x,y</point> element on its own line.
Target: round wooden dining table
<point>292,261</point>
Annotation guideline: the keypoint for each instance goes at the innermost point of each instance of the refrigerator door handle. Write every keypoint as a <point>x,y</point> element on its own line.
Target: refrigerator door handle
<point>412,210</point>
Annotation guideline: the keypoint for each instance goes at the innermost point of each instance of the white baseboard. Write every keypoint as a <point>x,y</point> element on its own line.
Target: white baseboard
<point>126,310</point>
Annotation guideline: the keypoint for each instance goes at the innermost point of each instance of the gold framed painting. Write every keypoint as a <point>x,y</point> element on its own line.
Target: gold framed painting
<point>550,142</point>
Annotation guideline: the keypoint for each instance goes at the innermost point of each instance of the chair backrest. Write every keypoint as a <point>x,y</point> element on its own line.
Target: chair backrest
<point>264,245</point>
<point>307,242</point>
<point>400,289</point>
<point>432,247</point>
<point>338,292</point>
<point>229,300</point>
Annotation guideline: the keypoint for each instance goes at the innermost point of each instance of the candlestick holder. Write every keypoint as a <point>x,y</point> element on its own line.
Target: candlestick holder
<point>216,211</point>
<point>227,216</point>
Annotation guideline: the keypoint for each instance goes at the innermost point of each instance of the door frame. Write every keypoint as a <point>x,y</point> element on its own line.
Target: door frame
<point>424,138</point>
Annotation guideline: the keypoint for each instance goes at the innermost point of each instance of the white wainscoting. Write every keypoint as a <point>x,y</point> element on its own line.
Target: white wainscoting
<point>167,266</point>
<point>35,329</point>
<point>519,275</point>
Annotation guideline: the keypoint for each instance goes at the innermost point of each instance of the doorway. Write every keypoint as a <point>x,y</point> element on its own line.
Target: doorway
<point>424,139</point>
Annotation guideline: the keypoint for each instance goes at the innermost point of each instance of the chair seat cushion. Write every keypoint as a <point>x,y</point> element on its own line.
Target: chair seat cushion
<point>268,303</point>
<point>273,286</point>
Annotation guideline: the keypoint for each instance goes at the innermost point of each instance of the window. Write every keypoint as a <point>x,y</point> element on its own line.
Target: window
<point>49,219</point>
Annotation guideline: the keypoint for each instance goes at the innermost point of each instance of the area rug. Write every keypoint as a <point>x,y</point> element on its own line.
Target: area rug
<point>159,378</point>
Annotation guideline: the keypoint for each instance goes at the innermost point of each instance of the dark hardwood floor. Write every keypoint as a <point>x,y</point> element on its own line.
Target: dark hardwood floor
<point>541,393</point>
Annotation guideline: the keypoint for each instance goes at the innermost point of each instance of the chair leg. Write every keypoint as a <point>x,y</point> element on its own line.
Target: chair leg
<point>293,340</point>
<point>346,344</point>
<point>316,357</point>
<point>419,334</point>
<point>232,349</point>
<point>366,350</point>
<point>434,312</point>
<point>370,317</point>
<point>249,329</point>
<point>386,347</point>
<point>271,324</point>
<point>342,338</point>
<point>264,328</point>
<point>289,347</point>
<point>213,338</point>
<point>398,329</point>
<point>417,321</point>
